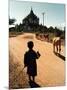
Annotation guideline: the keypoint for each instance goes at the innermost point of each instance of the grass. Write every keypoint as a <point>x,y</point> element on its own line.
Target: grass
<point>17,77</point>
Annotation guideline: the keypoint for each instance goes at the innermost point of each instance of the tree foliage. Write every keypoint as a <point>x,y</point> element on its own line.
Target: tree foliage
<point>12,21</point>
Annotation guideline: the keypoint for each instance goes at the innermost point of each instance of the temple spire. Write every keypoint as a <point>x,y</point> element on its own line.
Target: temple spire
<point>31,10</point>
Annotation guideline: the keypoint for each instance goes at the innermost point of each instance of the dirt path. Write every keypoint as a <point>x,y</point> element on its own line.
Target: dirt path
<point>50,67</point>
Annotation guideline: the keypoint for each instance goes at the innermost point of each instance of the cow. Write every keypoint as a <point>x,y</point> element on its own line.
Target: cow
<point>43,37</point>
<point>57,44</point>
<point>46,36</point>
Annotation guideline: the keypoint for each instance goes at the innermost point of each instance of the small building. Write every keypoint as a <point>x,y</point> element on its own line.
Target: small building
<point>30,22</point>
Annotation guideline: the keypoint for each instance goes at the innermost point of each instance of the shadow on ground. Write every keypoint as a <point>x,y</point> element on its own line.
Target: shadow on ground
<point>60,56</point>
<point>33,84</point>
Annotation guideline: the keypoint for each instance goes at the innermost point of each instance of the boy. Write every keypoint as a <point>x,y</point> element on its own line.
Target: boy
<point>30,61</point>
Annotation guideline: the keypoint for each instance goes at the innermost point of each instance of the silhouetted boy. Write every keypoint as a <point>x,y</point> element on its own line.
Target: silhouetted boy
<point>30,61</point>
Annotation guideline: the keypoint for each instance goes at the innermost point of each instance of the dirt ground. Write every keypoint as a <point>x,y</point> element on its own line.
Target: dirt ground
<point>50,67</point>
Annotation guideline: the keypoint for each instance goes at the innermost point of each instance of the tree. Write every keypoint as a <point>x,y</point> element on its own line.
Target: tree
<point>45,29</point>
<point>58,32</point>
<point>51,29</point>
<point>12,21</point>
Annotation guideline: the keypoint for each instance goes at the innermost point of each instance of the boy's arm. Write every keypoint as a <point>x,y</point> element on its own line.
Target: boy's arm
<point>38,54</point>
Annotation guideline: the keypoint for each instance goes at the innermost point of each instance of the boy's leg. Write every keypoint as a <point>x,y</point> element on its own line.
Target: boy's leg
<point>29,77</point>
<point>33,78</point>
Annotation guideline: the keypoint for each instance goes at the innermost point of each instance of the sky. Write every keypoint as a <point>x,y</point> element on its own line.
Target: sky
<point>54,14</point>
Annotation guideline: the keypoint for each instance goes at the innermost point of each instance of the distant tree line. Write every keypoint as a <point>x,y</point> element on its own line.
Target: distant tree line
<point>39,29</point>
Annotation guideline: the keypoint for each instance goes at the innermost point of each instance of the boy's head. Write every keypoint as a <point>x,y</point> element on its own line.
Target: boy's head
<point>30,44</point>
